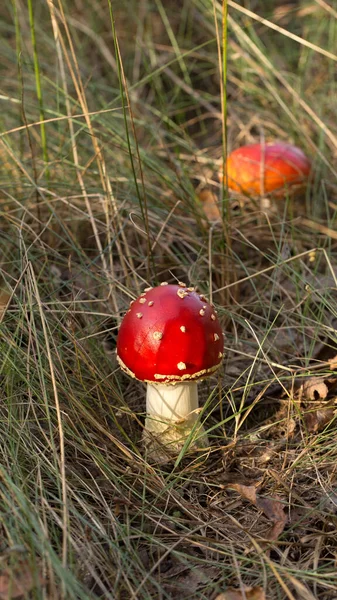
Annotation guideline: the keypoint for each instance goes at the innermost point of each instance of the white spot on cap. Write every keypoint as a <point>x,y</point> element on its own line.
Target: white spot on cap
<point>148,289</point>
<point>202,297</point>
<point>220,355</point>
<point>183,328</point>
<point>151,303</point>
<point>182,284</point>
<point>204,307</point>
<point>181,366</point>
<point>213,317</point>
<point>164,283</point>
<point>142,300</point>
<point>201,312</point>
<point>139,315</point>
<point>191,289</point>
<point>157,335</point>
<point>182,293</point>
<point>132,302</point>
<point>143,294</point>
<point>216,337</point>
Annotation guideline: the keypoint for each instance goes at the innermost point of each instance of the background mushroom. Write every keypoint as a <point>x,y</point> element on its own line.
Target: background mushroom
<point>170,338</point>
<point>259,169</point>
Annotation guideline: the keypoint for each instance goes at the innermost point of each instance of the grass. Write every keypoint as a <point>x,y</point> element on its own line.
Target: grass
<point>112,124</point>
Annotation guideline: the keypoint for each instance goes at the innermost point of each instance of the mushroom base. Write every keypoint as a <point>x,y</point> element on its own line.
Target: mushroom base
<point>172,420</point>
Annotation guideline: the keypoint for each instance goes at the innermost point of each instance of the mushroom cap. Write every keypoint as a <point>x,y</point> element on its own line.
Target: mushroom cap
<point>258,169</point>
<point>170,334</point>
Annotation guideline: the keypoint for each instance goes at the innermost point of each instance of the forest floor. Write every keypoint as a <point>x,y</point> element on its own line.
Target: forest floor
<point>112,120</point>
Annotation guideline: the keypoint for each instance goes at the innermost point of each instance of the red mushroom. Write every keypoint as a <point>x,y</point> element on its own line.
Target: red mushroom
<point>258,169</point>
<point>170,338</point>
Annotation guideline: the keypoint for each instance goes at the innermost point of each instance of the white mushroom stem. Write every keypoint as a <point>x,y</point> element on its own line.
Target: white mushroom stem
<point>173,415</point>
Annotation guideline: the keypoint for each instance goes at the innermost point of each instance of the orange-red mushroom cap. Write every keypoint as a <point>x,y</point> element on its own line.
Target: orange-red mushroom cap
<point>258,169</point>
<point>170,334</point>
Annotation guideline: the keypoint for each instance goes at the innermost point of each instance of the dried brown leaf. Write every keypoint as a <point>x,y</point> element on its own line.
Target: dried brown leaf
<point>181,581</point>
<point>246,491</point>
<point>333,363</point>
<point>210,204</point>
<point>316,420</point>
<point>247,593</point>
<point>271,507</point>
<point>18,581</point>
<point>315,388</point>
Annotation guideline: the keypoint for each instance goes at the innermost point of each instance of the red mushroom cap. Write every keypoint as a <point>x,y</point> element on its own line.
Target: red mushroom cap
<point>170,334</point>
<point>258,169</point>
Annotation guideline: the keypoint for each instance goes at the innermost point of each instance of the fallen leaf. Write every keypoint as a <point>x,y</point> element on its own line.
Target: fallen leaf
<point>181,581</point>
<point>333,363</point>
<point>271,507</point>
<point>316,420</point>
<point>210,204</point>
<point>315,388</point>
<point>246,593</point>
<point>18,581</point>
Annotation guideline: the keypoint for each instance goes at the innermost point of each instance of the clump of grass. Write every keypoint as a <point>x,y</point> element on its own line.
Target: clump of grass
<point>99,200</point>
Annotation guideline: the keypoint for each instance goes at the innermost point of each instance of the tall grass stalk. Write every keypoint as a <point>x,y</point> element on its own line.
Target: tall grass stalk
<point>141,197</point>
<point>38,84</point>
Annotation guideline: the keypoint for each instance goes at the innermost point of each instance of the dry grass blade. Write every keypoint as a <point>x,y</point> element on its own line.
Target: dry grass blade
<point>302,590</point>
<point>320,227</point>
<point>281,30</point>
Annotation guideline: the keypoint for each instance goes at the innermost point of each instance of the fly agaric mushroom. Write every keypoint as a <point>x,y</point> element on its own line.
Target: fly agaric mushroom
<point>170,338</point>
<point>257,169</point>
